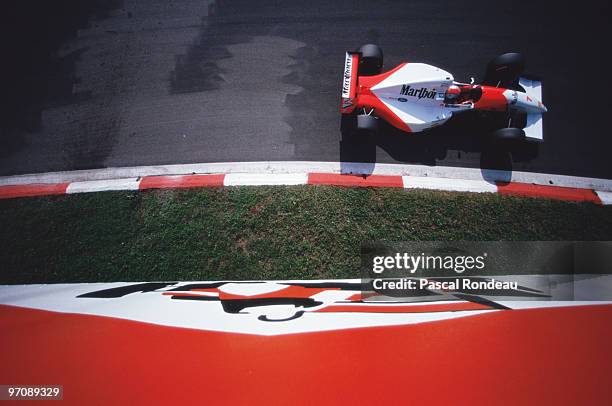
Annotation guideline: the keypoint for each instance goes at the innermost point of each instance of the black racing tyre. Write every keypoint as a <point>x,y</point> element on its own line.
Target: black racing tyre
<point>504,69</point>
<point>367,123</point>
<point>371,60</point>
<point>508,136</point>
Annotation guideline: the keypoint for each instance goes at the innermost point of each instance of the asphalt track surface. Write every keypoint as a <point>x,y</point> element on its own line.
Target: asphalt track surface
<point>92,84</point>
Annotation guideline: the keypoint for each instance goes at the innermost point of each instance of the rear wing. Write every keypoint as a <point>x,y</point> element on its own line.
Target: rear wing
<point>533,128</point>
<point>349,81</point>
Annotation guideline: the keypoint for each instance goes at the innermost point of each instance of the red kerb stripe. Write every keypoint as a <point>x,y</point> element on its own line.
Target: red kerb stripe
<point>549,192</point>
<point>39,189</point>
<point>354,180</point>
<point>180,181</point>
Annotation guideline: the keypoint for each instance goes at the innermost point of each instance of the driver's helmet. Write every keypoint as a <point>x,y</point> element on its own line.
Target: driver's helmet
<point>453,93</point>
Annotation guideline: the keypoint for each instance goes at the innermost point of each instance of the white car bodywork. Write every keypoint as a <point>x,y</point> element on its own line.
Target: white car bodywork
<point>419,111</point>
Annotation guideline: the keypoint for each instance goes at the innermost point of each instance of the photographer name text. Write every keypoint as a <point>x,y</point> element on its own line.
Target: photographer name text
<point>445,285</point>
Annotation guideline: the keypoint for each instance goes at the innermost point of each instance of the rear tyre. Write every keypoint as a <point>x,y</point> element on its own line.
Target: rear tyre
<point>371,60</point>
<point>367,123</point>
<point>504,69</point>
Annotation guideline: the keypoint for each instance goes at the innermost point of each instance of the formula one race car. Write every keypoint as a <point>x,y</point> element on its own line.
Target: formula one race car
<point>415,96</point>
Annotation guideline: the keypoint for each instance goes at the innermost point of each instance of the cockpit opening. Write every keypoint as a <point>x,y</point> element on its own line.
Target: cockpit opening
<point>459,94</point>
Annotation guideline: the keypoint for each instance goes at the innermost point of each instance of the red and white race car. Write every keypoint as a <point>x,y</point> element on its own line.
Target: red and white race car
<point>415,96</point>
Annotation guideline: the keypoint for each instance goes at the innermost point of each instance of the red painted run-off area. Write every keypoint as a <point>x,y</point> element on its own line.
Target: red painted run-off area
<point>519,357</point>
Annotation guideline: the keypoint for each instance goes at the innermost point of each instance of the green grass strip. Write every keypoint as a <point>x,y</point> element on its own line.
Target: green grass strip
<point>279,232</point>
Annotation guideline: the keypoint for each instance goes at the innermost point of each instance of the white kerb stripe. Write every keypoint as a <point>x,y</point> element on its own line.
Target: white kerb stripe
<point>257,179</point>
<point>453,185</point>
<point>605,197</point>
<point>103,185</point>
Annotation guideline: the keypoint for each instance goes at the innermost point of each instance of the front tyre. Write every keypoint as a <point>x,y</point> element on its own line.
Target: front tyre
<point>371,60</point>
<point>504,69</point>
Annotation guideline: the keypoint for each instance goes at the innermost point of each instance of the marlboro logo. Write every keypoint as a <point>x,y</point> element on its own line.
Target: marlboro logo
<point>346,83</point>
<point>418,93</point>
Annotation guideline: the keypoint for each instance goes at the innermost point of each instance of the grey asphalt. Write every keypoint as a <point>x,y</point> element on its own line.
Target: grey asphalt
<point>91,84</point>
